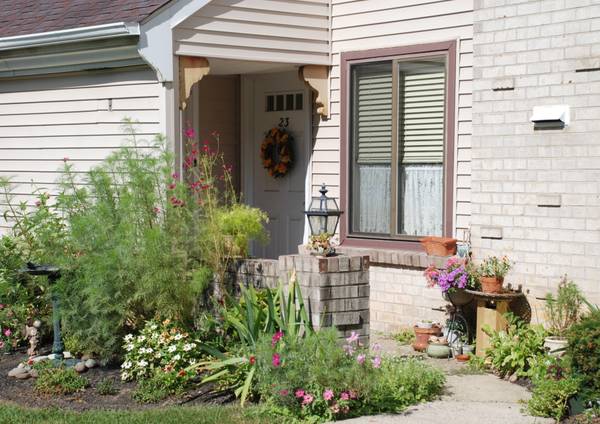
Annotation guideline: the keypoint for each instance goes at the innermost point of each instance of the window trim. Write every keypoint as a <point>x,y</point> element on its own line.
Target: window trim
<point>347,59</point>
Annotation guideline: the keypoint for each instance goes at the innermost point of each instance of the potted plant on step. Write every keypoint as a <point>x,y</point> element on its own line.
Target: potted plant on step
<point>492,271</point>
<point>423,331</point>
<point>562,312</point>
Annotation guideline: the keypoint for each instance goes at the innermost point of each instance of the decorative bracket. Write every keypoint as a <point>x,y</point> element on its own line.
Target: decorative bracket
<point>191,70</point>
<point>317,78</point>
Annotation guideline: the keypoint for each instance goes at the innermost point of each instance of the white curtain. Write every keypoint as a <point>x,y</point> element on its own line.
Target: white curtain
<point>372,213</point>
<point>422,200</point>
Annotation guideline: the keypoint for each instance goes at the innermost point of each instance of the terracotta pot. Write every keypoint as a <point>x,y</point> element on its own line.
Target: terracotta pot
<point>439,246</point>
<point>422,337</point>
<point>491,284</point>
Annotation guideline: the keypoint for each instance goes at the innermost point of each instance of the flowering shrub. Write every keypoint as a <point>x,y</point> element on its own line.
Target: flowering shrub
<point>456,274</point>
<point>315,380</point>
<point>161,347</point>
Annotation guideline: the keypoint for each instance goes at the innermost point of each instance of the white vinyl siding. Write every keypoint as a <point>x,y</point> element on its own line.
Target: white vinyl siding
<point>258,30</point>
<point>44,120</point>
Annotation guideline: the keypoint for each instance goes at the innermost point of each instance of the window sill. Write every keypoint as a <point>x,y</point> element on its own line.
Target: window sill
<point>397,258</point>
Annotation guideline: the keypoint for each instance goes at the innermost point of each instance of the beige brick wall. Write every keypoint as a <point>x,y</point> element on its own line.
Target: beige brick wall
<point>540,52</point>
<point>400,297</point>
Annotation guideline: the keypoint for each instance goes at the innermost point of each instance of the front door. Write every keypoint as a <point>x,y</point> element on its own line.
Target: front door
<point>278,98</point>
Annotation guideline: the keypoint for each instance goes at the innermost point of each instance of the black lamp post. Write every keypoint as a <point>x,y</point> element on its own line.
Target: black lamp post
<point>323,214</point>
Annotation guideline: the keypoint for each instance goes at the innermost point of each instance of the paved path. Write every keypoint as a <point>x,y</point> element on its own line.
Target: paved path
<point>467,399</point>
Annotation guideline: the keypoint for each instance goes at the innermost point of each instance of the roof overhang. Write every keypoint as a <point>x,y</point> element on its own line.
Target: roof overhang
<point>97,32</point>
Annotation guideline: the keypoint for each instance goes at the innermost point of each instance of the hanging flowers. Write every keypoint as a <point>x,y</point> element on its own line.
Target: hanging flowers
<point>276,152</point>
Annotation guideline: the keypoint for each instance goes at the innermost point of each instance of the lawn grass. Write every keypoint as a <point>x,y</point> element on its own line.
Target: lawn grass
<point>173,415</point>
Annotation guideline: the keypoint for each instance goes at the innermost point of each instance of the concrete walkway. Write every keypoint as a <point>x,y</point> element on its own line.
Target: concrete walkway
<point>467,399</point>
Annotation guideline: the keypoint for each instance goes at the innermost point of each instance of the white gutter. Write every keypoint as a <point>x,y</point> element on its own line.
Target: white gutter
<point>117,29</point>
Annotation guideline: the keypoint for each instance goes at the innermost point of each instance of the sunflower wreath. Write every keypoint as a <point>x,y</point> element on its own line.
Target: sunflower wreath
<point>276,152</point>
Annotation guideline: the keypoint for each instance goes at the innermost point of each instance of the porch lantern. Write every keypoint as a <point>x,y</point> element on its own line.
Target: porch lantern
<point>323,214</point>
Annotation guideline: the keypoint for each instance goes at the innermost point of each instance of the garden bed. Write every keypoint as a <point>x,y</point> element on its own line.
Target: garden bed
<point>23,393</point>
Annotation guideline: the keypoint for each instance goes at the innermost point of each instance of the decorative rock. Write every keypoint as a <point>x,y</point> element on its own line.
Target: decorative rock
<point>513,378</point>
<point>67,355</point>
<point>52,356</point>
<point>91,363</point>
<point>23,376</point>
<point>33,373</point>
<point>16,371</point>
<point>37,359</point>
<point>80,367</point>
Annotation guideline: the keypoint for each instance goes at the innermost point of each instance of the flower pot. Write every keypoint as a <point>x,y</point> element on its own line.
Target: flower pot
<point>425,324</point>
<point>422,337</point>
<point>438,350</point>
<point>491,284</point>
<point>439,246</point>
<point>468,349</point>
<point>555,345</point>
<point>462,358</point>
<point>458,297</point>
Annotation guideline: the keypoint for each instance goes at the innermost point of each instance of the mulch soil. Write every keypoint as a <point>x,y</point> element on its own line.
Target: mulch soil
<point>22,392</point>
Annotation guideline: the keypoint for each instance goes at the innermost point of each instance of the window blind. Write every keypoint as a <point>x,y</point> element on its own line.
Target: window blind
<point>422,117</point>
<point>373,113</point>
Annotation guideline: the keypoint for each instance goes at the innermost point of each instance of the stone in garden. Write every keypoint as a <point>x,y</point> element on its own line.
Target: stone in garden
<point>80,367</point>
<point>37,359</point>
<point>33,373</point>
<point>23,376</point>
<point>91,363</point>
<point>52,356</point>
<point>513,378</point>
<point>15,371</point>
<point>86,357</point>
<point>67,355</point>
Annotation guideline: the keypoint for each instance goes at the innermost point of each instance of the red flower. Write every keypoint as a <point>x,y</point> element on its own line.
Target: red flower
<point>252,360</point>
<point>190,133</point>
<point>276,360</point>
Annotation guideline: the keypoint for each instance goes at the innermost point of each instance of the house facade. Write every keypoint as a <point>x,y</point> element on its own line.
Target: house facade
<point>416,114</point>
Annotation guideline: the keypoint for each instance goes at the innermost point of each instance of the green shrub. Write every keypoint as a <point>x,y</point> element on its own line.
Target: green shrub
<point>158,387</point>
<point>106,387</point>
<point>59,380</point>
<point>315,379</point>
<point>516,349</point>
<point>405,336</point>
<point>563,310</point>
<point>550,397</point>
<point>584,350</point>
<point>242,223</point>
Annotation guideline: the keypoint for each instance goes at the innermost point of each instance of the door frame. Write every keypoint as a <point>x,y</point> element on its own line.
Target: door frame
<point>247,129</point>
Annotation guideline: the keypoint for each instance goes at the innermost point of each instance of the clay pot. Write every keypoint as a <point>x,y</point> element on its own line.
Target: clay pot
<point>422,337</point>
<point>439,246</point>
<point>491,284</point>
<point>462,358</point>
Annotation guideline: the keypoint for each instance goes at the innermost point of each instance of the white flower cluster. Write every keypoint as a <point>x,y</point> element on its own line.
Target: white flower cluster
<point>159,347</point>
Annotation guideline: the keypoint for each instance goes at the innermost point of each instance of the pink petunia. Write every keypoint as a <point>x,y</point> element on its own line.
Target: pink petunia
<point>7,332</point>
<point>276,337</point>
<point>276,360</point>
<point>353,337</point>
<point>328,394</point>
<point>307,399</point>
<point>299,393</point>
<point>376,362</point>
<point>344,396</point>
<point>190,133</point>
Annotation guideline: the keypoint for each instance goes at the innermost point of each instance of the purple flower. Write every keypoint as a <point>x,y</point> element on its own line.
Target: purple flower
<point>353,337</point>
<point>376,362</point>
<point>361,359</point>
